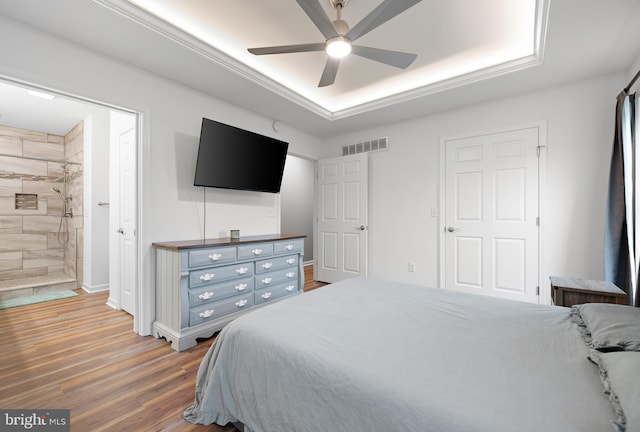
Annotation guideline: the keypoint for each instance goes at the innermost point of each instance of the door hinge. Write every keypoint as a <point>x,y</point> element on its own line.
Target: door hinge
<point>537,220</point>
<point>539,149</point>
<point>538,290</point>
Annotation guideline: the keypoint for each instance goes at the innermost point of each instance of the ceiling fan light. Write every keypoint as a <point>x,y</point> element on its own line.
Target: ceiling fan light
<point>338,47</point>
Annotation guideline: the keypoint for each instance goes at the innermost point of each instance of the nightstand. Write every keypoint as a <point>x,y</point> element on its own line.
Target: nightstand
<point>569,291</point>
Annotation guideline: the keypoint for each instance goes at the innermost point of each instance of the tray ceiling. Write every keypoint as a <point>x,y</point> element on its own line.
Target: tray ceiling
<point>456,42</point>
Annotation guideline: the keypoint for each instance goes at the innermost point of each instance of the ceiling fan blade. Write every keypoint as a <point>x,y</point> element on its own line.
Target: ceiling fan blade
<point>387,10</point>
<point>286,49</point>
<point>330,71</point>
<point>315,12</point>
<point>392,58</point>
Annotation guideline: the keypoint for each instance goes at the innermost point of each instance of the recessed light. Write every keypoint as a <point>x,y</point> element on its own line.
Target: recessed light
<point>42,95</point>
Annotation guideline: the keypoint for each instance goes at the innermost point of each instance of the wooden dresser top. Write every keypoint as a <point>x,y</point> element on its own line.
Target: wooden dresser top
<point>224,241</point>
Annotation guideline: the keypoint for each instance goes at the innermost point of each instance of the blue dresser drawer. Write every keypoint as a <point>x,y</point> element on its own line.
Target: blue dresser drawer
<point>271,293</point>
<point>217,291</point>
<point>209,256</point>
<point>276,263</point>
<point>276,277</point>
<point>254,251</point>
<point>289,246</point>
<point>216,274</point>
<point>214,310</point>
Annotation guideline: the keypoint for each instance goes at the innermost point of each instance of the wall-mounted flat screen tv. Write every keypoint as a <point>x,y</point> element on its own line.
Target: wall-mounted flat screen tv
<point>234,158</point>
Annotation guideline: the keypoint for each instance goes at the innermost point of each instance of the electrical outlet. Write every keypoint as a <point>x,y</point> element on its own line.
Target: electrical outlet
<point>412,266</point>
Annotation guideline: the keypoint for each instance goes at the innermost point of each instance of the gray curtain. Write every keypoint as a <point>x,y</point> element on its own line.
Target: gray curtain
<point>620,249</point>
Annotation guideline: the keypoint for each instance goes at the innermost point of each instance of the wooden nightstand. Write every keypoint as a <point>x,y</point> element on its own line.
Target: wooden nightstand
<point>569,291</point>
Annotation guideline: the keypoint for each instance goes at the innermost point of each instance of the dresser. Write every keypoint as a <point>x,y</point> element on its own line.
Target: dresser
<point>202,285</point>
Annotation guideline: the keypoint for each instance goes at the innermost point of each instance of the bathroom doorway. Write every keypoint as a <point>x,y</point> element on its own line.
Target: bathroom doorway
<point>72,187</point>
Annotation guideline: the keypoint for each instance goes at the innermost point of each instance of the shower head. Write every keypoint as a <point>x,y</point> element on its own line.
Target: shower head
<point>55,189</point>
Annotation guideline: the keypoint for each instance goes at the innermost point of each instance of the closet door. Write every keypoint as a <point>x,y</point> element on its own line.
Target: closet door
<point>491,214</point>
<point>342,191</point>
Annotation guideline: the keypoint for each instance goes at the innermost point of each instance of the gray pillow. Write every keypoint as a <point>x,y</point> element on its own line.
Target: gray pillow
<point>611,327</point>
<point>620,373</point>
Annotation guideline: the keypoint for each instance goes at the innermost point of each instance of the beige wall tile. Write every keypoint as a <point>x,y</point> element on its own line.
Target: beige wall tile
<point>22,133</point>
<point>55,138</point>
<point>10,145</point>
<point>80,271</point>
<point>10,224</point>
<point>56,269</point>
<point>19,274</point>
<point>23,166</point>
<point>44,189</point>
<point>55,169</point>
<point>8,208</point>
<point>54,207</point>
<point>40,224</point>
<point>34,233</point>
<point>22,241</point>
<point>10,187</point>
<point>10,255</point>
<point>43,150</point>
<point>80,242</point>
<point>52,240</point>
<point>74,144</point>
<point>43,258</point>
<point>10,260</point>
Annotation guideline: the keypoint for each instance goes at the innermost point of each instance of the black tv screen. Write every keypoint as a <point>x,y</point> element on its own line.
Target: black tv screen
<point>233,158</point>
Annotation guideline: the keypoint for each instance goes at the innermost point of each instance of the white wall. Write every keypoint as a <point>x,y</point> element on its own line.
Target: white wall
<point>96,189</point>
<point>170,207</point>
<point>297,198</point>
<point>404,181</point>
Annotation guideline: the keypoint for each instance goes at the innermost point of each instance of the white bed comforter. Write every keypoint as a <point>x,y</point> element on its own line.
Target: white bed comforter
<point>368,355</point>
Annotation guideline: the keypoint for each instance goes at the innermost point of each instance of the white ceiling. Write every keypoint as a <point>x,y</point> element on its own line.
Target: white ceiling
<point>453,39</point>
<point>580,39</point>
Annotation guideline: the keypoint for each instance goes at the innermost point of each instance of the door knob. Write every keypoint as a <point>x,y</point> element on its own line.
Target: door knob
<point>452,229</point>
<point>361,228</point>
<point>120,230</point>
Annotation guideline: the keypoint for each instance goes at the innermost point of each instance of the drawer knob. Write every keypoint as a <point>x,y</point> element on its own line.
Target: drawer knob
<point>241,303</point>
<point>289,247</point>
<point>241,287</point>
<point>290,274</point>
<point>291,261</point>
<point>242,270</point>
<point>266,280</point>
<point>290,288</point>
<point>215,257</point>
<point>267,265</point>
<point>266,295</point>
<point>207,277</point>
<point>257,251</point>
<point>206,313</point>
<point>206,295</point>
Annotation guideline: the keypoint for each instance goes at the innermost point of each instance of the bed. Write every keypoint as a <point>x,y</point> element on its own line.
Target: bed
<point>370,355</point>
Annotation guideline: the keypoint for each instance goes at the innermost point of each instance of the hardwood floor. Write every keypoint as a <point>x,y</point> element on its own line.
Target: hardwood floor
<point>309,283</point>
<point>80,354</point>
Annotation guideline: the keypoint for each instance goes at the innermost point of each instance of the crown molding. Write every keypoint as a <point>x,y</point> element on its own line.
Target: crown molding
<point>151,22</point>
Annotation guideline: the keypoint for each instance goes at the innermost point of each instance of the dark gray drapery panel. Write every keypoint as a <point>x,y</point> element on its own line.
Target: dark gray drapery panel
<point>620,250</point>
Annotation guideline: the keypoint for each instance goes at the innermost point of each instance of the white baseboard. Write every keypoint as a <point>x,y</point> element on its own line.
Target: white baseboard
<point>95,288</point>
<point>113,303</point>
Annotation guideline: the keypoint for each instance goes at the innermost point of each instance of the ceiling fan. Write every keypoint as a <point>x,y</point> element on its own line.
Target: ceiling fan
<point>340,38</point>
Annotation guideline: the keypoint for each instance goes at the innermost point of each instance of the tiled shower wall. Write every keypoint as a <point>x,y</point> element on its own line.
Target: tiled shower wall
<point>33,163</point>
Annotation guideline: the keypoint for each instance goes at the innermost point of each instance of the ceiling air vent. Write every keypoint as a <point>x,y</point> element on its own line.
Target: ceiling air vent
<point>366,146</point>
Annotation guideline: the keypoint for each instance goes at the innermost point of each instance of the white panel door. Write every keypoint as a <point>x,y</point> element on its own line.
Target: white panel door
<point>127,230</point>
<point>491,214</point>
<point>342,218</point>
